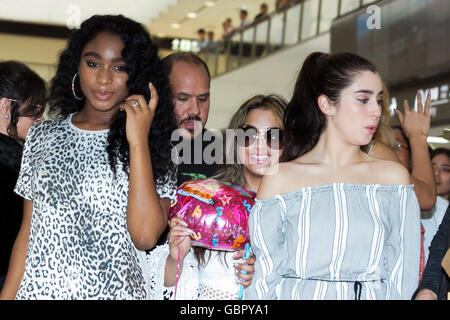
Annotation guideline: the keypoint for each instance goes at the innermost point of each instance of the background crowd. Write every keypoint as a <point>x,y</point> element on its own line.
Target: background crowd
<point>346,206</point>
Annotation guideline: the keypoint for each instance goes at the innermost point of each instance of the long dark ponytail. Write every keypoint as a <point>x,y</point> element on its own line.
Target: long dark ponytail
<point>321,73</point>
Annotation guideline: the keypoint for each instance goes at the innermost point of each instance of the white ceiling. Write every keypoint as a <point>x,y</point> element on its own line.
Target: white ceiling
<point>209,18</point>
<point>61,12</point>
<point>438,132</point>
<point>157,15</point>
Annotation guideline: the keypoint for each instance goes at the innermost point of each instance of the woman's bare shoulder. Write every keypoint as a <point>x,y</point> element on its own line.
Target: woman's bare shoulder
<point>277,179</point>
<point>390,172</point>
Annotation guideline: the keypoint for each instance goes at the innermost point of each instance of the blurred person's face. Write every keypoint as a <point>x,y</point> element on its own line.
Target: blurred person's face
<point>261,149</point>
<point>402,149</point>
<point>190,89</point>
<point>264,10</point>
<point>441,167</point>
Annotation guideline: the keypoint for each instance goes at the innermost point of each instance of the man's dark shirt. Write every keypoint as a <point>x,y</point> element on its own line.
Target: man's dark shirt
<point>194,169</point>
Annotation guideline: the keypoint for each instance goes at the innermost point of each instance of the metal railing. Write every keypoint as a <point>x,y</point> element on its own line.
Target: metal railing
<point>296,22</point>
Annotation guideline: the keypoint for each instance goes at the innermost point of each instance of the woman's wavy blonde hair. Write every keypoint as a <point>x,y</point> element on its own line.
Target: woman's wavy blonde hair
<point>234,173</point>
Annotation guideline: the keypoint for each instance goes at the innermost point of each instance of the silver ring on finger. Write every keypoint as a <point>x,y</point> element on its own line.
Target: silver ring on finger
<point>135,104</point>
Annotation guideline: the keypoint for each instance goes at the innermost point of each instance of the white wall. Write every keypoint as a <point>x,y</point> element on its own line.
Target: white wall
<point>39,53</point>
<point>273,74</point>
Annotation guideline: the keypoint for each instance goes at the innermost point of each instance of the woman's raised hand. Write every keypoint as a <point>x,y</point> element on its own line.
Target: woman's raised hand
<point>140,115</point>
<point>416,123</point>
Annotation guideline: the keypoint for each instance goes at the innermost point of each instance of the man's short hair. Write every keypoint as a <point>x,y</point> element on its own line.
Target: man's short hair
<point>186,57</point>
<point>201,30</point>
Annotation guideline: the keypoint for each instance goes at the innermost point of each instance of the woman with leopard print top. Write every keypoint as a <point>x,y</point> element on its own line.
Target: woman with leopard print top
<point>98,180</point>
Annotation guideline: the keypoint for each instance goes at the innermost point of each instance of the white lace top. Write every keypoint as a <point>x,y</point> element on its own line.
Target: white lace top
<point>215,281</point>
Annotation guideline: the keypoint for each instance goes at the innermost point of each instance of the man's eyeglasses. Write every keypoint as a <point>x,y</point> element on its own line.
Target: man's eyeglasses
<point>246,136</point>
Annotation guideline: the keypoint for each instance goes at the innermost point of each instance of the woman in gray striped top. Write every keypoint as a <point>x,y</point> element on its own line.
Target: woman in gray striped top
<point>332,222</point>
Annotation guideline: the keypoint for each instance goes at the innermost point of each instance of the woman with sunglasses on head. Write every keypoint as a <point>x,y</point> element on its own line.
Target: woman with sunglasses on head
<point>209,274</point>
<point>97,181</point>
<point>22,98</point>
<point>333,222</point>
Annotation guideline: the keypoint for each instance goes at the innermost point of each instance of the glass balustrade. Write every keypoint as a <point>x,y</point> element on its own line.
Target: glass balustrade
<point>295,23</point>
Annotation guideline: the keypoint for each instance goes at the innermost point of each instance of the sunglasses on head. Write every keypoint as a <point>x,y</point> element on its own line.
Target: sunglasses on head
<point>246,136</point>
<point>37,109</point>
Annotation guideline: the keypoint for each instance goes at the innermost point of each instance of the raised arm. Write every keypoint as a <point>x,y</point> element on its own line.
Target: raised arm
<point>147,214</point>
<point>416,125</point>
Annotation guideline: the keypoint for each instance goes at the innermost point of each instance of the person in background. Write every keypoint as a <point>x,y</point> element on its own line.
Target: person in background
<point>402,147</point>
<point>333,222</point>
<point>202,42</point>
<point>228,28</point>
<point>212,44</point>
<point>416,125</point>
<point>435,283</point>
<point>98,180</point>
<point>393,144</point>
<point>22,101</point>
<point>190,82</point>
<point>411,149</point>
<point>415,156</point>
<point>211,36</point>
<point>263,12</point>
<point>208,274</point>
<point>243,16</point>
<point>279,4</point>
<point>431,219</point>
<point>440,159</point>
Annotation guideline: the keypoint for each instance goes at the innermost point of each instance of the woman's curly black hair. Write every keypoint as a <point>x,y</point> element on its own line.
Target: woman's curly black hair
<point>142,65</point>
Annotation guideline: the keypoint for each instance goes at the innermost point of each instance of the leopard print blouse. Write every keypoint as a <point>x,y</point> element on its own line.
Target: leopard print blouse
<point>79,244</point>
